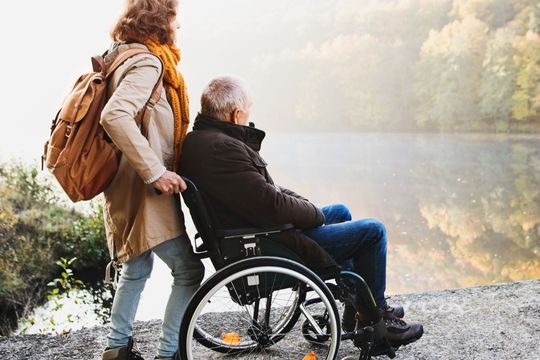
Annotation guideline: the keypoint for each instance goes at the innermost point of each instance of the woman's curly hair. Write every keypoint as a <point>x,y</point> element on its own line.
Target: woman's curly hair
<point>144,19</point>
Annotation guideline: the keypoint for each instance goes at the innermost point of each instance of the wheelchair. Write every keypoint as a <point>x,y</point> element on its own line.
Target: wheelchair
<point>263,303</point>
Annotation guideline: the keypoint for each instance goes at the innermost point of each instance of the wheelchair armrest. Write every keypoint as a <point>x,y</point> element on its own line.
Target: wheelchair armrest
<point>247,233</point>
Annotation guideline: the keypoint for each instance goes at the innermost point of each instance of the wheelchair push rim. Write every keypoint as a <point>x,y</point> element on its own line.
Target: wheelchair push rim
<point>243,342</point>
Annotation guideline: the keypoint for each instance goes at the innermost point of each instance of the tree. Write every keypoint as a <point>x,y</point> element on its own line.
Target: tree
<point>495,13</point>
<point>526,98</point>
<point>498,79</point>
<point>449,73</point>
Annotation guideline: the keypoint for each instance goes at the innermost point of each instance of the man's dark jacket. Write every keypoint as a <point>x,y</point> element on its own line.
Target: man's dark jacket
<point>224,162</point>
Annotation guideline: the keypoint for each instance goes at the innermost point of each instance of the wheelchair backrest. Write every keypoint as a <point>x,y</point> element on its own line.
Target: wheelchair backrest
<point>201,218</point>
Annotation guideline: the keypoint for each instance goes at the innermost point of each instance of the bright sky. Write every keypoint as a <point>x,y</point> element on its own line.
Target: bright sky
<point>45,45</point>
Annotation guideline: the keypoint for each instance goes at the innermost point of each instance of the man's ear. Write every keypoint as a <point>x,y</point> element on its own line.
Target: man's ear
<point>235,116</point>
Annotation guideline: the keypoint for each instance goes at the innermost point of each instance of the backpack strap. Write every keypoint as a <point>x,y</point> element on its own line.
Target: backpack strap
<point>143,118</point>
<point>98,64</point>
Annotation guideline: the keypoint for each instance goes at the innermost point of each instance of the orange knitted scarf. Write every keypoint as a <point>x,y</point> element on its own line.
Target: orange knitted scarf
<point>176,91</point>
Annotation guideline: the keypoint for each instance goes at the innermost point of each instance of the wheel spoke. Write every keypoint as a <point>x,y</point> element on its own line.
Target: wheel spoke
<point>227,316</point>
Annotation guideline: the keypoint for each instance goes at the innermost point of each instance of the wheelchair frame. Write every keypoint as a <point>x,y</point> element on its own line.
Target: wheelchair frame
<point>239,255</point>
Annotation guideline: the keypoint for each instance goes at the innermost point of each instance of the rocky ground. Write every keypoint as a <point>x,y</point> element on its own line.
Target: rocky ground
<point>488,322</point>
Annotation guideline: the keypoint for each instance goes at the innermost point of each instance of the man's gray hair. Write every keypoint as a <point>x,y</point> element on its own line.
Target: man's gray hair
<point>223,95</point>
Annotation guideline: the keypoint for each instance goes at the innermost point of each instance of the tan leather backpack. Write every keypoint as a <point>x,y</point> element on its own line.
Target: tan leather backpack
<point>79,152</point>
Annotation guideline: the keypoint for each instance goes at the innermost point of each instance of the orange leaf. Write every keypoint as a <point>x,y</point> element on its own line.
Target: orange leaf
<point>231,338</point>
<point>310,356</point>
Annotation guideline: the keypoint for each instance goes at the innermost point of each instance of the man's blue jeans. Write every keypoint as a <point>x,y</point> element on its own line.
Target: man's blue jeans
<point>359,245</point>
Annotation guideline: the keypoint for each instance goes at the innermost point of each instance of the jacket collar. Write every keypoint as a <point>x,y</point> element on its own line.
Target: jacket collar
<point>117,48</point>
<point>249,135</point>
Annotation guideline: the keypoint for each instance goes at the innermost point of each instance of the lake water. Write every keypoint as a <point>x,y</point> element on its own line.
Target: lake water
<point>460,210</point>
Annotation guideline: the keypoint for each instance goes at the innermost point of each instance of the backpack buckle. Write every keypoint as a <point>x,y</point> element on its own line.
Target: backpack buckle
<point>151,104</point>
<point>68,131</point>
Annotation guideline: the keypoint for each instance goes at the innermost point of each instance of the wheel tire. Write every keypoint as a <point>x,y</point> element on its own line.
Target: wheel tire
<point>198,315</point>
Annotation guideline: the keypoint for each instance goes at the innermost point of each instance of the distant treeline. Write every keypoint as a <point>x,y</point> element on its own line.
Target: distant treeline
<point>446,65</point>
<point>482,69</point>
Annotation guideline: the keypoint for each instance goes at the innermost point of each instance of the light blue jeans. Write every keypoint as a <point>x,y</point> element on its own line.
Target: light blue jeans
<point>187,271</point>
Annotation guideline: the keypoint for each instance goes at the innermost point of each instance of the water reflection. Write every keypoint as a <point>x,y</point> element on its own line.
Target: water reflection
<point>461,210</point>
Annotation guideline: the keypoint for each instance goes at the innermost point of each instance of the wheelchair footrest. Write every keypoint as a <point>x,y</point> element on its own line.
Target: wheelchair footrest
<point>364,340</point>
<point>383,349</point>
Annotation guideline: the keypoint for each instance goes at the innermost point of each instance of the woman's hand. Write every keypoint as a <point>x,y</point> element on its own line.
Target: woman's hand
<point>169,183</point>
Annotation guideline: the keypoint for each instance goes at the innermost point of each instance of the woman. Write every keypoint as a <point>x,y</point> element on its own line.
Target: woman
<point>142,217</point>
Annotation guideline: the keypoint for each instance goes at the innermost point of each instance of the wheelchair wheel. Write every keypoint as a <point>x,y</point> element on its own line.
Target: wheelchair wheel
<point>248,307</point>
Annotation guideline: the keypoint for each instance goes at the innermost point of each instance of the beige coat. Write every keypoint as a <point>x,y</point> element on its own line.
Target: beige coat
<point>136,217</point>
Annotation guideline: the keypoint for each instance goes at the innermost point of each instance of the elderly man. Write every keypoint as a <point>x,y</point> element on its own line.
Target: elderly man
<point>221,155</point>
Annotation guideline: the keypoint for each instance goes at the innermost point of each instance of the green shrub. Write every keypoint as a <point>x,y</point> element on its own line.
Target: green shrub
<point>37,228</point>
